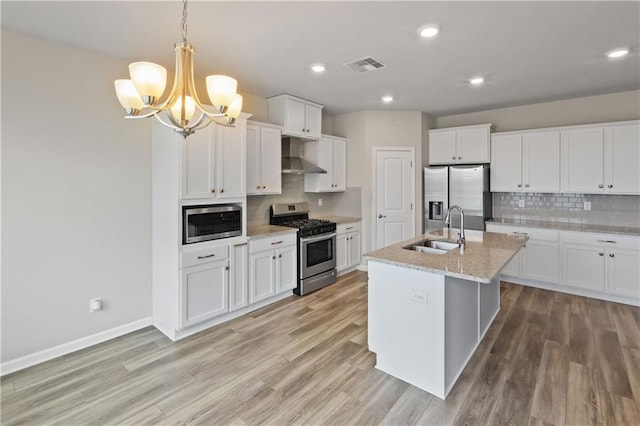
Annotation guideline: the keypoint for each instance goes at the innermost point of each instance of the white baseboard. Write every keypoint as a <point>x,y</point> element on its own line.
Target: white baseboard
<point>75,345</point>
<point>363,267</point>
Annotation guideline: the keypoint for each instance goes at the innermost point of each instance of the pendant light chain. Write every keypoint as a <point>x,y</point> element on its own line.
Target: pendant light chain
<point>184,20</point>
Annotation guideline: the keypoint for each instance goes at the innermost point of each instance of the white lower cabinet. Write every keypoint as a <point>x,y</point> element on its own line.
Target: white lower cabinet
<point>605,266</point>
<point>538,259</point>
<point>238,276</point>
<point>272,266</point>
<point>204,285</point>
<point>348,246</point>
<point>602,262</point>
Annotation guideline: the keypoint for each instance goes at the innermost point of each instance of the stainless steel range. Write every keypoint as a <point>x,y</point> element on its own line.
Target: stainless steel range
<point>316,245</point>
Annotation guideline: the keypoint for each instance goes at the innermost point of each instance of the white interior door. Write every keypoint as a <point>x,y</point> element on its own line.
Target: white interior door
<point>394,191</point>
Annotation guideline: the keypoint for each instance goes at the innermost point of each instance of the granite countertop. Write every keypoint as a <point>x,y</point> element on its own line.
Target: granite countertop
<point>484,257</point>
<point>254,231</point>
<point>339,220</point>
<point>569,226</point>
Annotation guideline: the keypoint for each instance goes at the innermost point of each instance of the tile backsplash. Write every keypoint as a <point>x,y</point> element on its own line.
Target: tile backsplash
<point>623,210</point>
<point>342,203</point>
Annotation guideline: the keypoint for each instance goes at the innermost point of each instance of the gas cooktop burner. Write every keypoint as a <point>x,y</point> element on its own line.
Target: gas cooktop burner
<point>305,223</point>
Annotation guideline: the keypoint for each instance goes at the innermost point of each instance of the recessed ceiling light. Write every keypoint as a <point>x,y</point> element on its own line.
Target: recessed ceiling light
<point>617,53</point>
<point>476,80</point>
<point>428,31</point>
<point>318,68</point>
<point>387,99</point>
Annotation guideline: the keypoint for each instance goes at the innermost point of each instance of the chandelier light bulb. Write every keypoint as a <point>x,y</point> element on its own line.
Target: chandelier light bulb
<point>128,97</point>
<point>189,110</point>
<point>148,78</point>
<point>236,106</point>
<point>221,90</point>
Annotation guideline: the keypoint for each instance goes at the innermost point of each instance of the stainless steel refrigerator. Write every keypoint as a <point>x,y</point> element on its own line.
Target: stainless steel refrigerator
<point>465,186</point>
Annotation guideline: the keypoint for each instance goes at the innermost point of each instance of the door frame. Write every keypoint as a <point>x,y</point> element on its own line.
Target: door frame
<point>374,186</point>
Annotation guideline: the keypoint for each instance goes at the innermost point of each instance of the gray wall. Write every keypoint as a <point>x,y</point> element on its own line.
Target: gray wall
<point>592,109</point>
<point>76,197</point>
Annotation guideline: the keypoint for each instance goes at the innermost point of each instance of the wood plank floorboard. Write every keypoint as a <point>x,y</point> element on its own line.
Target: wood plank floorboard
<point>548,359</point>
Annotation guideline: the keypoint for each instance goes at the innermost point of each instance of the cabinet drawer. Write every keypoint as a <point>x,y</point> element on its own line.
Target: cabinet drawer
<point>192,257</point>
<point>348,227</point>
<point>606,240</point>
<point>268,243</point>
<point>533,233</point>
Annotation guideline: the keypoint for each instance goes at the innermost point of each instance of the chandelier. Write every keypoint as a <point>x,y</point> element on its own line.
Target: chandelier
<point>140,96</point>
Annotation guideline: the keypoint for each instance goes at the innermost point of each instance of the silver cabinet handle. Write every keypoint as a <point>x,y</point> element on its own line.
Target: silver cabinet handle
<point>612,255</point>
<point>349,227</point>
<point>280,256</point>
<point>213,190</point>
<point>222,190</point>
<point>600,254</point>
<point>600,186</point>
<point>276,242</point>
<point>519,185</point>
<point>459,158</point>
<point>609,186</point>
<point>240,245</point>
<point>274,258</point>
<point>258,187</point>
<point>607,241</point>
<point>527,185</point>
<point>226,268</point>
<point>206,256</point>
<point>264,187</point>
<point>453,158</point>
<point>380,216</point>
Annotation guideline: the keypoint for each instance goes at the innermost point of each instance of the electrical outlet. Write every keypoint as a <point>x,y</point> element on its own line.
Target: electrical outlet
<point>520,203</point>
<point>320,202</point>
<point>95,305</point>
<point>587,205</point>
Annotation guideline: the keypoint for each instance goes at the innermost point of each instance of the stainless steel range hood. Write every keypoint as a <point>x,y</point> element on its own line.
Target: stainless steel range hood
<point>292,161</point>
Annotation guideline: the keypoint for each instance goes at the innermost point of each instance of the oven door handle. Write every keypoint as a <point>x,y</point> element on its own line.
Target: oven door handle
<point>317,238</point>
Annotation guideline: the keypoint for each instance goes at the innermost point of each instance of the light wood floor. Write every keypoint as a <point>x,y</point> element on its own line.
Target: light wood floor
<point>549,358</point>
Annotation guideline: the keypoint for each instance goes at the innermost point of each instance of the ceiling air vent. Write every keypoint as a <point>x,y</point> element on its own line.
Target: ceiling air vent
<point>365,64</point>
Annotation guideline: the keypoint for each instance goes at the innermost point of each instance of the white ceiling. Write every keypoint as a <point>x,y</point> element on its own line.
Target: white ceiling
<point>527,51</point>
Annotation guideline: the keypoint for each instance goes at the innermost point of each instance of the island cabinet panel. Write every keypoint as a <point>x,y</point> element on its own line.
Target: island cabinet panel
<point>424,327</point>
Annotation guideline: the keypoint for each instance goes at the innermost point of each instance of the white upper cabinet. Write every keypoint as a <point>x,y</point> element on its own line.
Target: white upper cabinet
<point>264,159</point>
<point>621,159</point>
<point>601,159</point>
<point>329,153</point>
<point>525,162</point>
<point>460,145</point>
<point>298,117</point>
<point>213,162</point>
<point>582,160</point>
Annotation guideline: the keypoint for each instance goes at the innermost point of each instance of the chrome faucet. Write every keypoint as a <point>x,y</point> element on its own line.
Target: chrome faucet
<point>447,221</point>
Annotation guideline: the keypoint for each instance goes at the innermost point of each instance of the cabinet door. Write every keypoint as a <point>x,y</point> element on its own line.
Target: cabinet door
<point>271,161</point>
<point>262,275</point>
<point>506,163</point>
<point>540,261</point>
<point>472,145</point>
<point>254,183</point>
<point>513,268</point>
<point>355,249</point>
<point>295,118</point>
<point>541,162</point>
<point>325,161</point>
<point>623,272</point>
<point>230,160</point>
<point>287,278</point>
<point>442,147</point>
<point>621,154</point>
<point>238,277</point>
<point>198,165</point>
<point>339,165</point>
<point>583,267</point>
<point>313,119</point>
<point>203,292</point>
<point>342,252</point>
<point>582,161</point>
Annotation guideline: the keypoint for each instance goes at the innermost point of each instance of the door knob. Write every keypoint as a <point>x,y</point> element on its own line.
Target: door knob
<point>380,216</point>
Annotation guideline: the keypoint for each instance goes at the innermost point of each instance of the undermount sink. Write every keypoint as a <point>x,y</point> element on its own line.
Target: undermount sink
<point>432,246</point>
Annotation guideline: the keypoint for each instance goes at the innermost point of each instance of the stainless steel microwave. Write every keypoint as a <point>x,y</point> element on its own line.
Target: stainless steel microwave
<point>210,222</point>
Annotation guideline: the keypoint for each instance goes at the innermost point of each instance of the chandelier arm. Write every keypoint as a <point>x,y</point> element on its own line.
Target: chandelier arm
<point>145,115</point>
<point>170,124</point>
<point>199,121</point>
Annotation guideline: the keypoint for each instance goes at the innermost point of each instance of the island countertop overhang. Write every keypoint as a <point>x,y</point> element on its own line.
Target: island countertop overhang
<point>485,255</point>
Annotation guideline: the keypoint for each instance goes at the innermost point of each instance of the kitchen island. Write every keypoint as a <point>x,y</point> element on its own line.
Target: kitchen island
<point>428,312</point>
